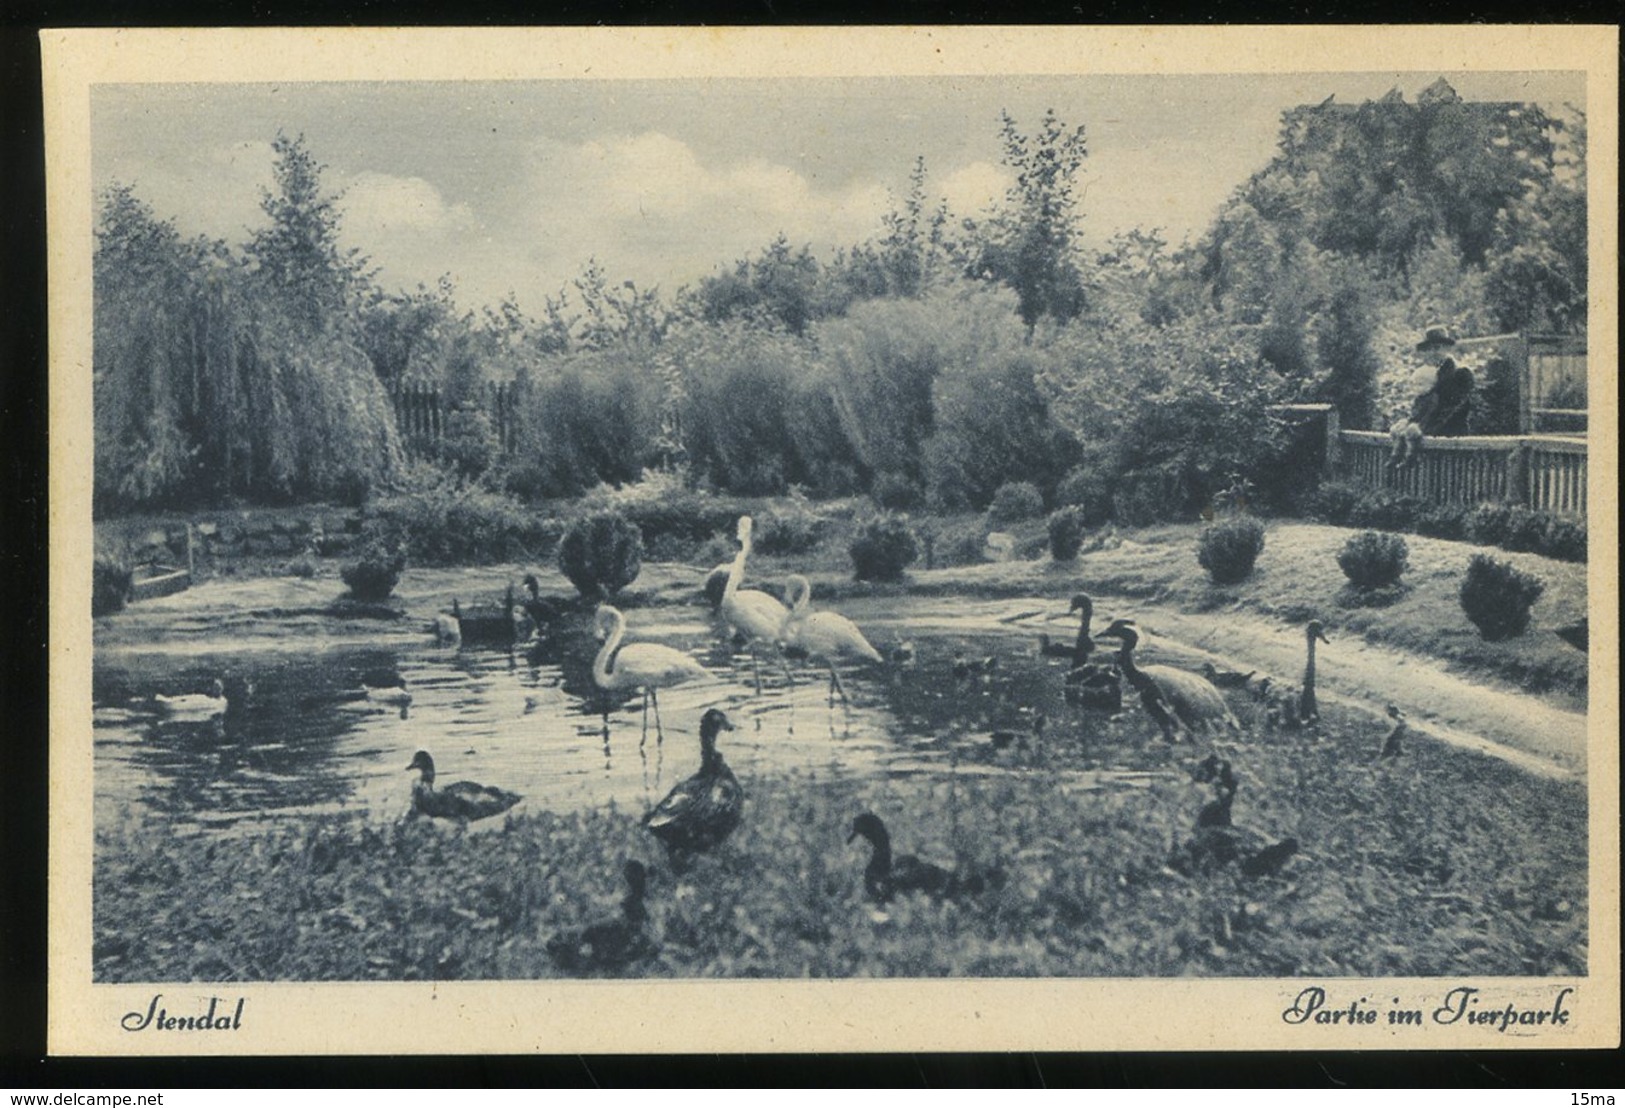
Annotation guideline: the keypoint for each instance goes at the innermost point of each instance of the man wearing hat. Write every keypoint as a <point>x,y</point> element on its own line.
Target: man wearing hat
<point>1442,409</point>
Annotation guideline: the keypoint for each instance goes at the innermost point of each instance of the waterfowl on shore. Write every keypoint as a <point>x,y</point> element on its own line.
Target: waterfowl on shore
<point>1217,812</point>
<point>1219,843</point>
<point>1392,745</point>
<point>644,667</point>
<point>194,705</point>
<point>828,637</point>
<point>448,626</point>
<point>1172,697</point>
<point>1226,678</point>
<point>705,809</point>
<point>612,943</point>
<point>964,668</point>
<point>751,613</point>
<point>885,876</point>
<point>1308,710</point>
<point>462,800</point>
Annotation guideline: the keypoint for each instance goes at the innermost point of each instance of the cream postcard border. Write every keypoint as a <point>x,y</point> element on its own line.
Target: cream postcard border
<point>861,1015</point>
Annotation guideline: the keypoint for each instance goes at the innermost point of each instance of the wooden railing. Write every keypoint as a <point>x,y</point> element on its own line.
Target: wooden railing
<point>1547,472</point>
<point>421,413</point>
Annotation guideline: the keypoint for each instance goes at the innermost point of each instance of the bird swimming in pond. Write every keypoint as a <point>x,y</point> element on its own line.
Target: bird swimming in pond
<point>827,637</point>
<point>1308,710</point>
<point>611,943</point>
<point>448,627</point>
<point>394,693</point>
<point>645,667</point>
<point>1091,684</point>
<point>752,613</point>
<point>1172,697</point>
<point>1392,745</point>
<point>197,706</point>
<point>1226,678</point>
<point>462,800</point>
<point>704,810</point>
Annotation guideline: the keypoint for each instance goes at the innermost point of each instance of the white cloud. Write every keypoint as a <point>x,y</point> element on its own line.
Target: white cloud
<point>377,203</point>
<point>211,191</point>
<point>972,189</point>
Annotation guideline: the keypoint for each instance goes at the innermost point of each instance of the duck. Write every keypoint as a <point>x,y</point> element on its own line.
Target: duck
<point>544,611</point>
<point>463,800</point>
<point>1227,678</point>
<point>1219,843</point>
<point>885,876</point>
<point>394,693</point>
<point>825,636</point>
<point>701,812</point>
<point>1217,812</point>
<point>1172,697</point>
<point>612,943</point>
<point>1308,710</point>
<point>1089,684</point>
<point>1392,744</point>
<point>195,705</point>
<point>645,667</point>
<point>751,613</point>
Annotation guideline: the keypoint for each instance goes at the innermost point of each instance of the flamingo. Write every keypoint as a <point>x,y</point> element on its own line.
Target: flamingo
<point>751,612</point>
<point>195,705</point>
<point>825,636</point>
<point>1171,696</point>
<point>647,667</point>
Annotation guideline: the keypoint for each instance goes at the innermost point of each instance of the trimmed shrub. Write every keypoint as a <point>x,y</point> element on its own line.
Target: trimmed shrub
<point>1333,502</point>
<point>1373,559</point>
<point>601,554</point>
<point>1443,521</point>
<point>896,493</point>
<point>1489,524</point>
<point>1014,502</point>
<point>883,549</point>
<point>1066,527</point>
<point>790,529</point>
<point>374,575</point>
<point>1565,539</point>
<point>1387,511</point>
<point>1229,549</point>
<point>110,581</point>
<point>1526,531</point>
<point>1084,488</point>
<point>1497,597</point>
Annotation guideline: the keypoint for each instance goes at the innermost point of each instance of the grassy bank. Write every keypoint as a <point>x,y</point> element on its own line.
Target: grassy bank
<point>1407,868</point>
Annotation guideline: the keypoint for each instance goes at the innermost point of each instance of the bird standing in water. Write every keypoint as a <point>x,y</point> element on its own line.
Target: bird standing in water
<point>751,613</point>
<point>612,943</point>
<point>646,667</point>
<point>825,636</point>
<point>1172,697</point>
<point>464,800</point>
<point>705,809</point>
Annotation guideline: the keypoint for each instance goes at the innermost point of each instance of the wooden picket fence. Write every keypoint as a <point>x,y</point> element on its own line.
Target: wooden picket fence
<point>421,413</point>
<point>1545,472</point>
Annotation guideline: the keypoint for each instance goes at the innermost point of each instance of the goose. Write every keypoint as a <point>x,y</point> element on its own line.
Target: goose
<point>1171,696</point>
<point>751,613</point>
<point>646,667</point>
<point>1227,678</point>
<point>195,705</point>
<point>1308,710</point>
<point>1391,745</point>
<point>463,800</point>
<point>705,809</point>
<point>824,636</point>
<point>612,943</point>
<point>1089,684</point>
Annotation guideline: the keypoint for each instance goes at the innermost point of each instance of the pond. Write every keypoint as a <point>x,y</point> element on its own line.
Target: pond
<point>302,737</point>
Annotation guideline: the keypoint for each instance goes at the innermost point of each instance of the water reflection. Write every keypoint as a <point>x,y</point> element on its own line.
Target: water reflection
<point>302,735</point>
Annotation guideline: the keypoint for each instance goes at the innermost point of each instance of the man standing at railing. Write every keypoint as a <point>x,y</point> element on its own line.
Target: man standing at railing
<point>1442,409</point>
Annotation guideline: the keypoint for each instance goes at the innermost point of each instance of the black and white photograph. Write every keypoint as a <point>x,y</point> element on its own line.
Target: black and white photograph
<point>1084,527</point>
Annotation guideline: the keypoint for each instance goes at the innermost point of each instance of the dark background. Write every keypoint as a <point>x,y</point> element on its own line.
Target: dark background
<point>23,742</point>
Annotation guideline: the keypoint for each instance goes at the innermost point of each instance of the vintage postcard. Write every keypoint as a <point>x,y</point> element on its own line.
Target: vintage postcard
<point>803,539</point>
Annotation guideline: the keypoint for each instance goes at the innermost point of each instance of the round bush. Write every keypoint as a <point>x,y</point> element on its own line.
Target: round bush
<point>1333,502</point>
<point>1387,511</point>
<point>883,549</point>
<point>1085,489</point>
<point>1228,549</point>
<point>1565,539</point>
<point>1497,597</point>
<point>601,554</point>
<point>1014,502</point>
<point>1373,559</point>
<point>1488,524</point>
<point>788,530</point>
<point>1526,530</point>
<point>896,493</point>
<point>1442,521</point>
<point>1066,527</point>
<point>374,575</point>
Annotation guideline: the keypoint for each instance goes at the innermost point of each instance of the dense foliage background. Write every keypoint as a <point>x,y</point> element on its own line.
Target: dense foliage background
<point>935,361</point>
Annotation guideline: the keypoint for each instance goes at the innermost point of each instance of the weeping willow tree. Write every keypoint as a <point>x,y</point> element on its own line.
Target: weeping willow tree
<point>220,374</point>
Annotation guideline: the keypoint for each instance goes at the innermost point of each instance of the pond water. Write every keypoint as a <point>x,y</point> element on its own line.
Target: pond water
<point>301,736</point>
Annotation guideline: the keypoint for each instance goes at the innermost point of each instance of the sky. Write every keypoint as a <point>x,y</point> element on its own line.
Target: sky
<point>510,188</point>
